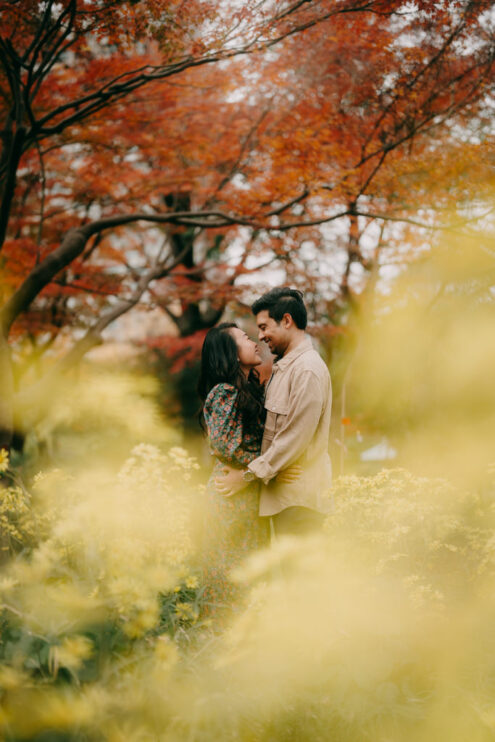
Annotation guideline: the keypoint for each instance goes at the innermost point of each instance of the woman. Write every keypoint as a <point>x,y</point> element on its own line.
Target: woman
<point>233,412</point>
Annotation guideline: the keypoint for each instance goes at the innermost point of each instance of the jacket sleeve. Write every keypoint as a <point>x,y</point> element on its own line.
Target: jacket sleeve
<point>223,423</point>
<point>292,439</point>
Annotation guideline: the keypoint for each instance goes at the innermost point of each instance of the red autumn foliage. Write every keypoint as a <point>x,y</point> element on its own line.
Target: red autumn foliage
<point>160,151</point>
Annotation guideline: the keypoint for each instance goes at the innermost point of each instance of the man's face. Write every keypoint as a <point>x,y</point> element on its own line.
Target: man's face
<point>274,334</point>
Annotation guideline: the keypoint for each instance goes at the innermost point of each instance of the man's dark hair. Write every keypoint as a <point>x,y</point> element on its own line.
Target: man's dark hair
<point>280,301</point>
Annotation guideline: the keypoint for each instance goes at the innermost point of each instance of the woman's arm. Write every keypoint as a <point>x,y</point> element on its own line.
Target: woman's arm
<point>224,424</point>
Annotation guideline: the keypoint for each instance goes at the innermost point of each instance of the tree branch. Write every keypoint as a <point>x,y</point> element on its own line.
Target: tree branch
<point>75,241</point>
<point>115,89</point>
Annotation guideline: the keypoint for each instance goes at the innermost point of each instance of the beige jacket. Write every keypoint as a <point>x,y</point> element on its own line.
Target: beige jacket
<point>298,406</point>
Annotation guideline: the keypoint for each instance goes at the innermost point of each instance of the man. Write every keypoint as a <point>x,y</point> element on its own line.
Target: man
<point>298,407</point>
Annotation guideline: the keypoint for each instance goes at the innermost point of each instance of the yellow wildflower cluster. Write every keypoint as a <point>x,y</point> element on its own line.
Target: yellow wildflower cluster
<point>98,412</point>
<point>109,545</point>
<point>185,611</point>
<point>353,633</point>
<point>70,653</point>
<point>410,526</point>
<point>17,525</point>
<point>104,547</point>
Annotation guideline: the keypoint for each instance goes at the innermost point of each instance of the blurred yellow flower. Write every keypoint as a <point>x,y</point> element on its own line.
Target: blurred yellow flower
<point>144,620</point>
<point>185,612</point>
<point>4,460</point>
<point>63,711</point>
<point>11,678</point>
<point>178,453</point>
<point>7,584</point>
<point>72,652</point>
<point>166,650</point>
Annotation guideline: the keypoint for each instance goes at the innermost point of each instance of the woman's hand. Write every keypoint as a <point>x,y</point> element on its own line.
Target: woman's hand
<point>289,475</point>
<point>230,481</point>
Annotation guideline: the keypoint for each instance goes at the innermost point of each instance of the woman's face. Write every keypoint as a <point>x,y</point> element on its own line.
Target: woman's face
<point>247,350</point>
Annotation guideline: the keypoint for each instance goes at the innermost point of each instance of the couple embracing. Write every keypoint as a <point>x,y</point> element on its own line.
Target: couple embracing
<point>272,469</point>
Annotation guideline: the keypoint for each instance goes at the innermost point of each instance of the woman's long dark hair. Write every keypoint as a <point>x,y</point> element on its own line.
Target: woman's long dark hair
<point>220,364</point>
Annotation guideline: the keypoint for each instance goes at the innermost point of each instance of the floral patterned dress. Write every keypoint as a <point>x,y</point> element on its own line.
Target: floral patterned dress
<point>233,527</point>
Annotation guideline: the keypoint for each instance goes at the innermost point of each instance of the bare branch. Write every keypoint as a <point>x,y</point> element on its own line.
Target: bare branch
<point>246,141</point>
<point>75,241</point>
<point>288,204</point>
<point>411,83</point>
<point>125,83</point>
<point>424,225</point>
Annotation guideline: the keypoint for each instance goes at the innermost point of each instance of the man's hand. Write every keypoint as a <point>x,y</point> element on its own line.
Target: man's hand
<point>289,475</point>
<point>230,481</point>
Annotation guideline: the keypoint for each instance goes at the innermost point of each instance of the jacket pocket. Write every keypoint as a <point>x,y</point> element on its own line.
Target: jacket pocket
<point>270,425</point>
<point>277,407</point>
<point>276,414</point>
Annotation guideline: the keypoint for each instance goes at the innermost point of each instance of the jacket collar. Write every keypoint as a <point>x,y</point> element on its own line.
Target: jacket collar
<point>285,361</point>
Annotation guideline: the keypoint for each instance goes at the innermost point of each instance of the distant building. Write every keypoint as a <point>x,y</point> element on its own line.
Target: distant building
<point>382,451</point>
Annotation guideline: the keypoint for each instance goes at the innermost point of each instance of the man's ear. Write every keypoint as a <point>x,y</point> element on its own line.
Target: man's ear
<point>287,321</point>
